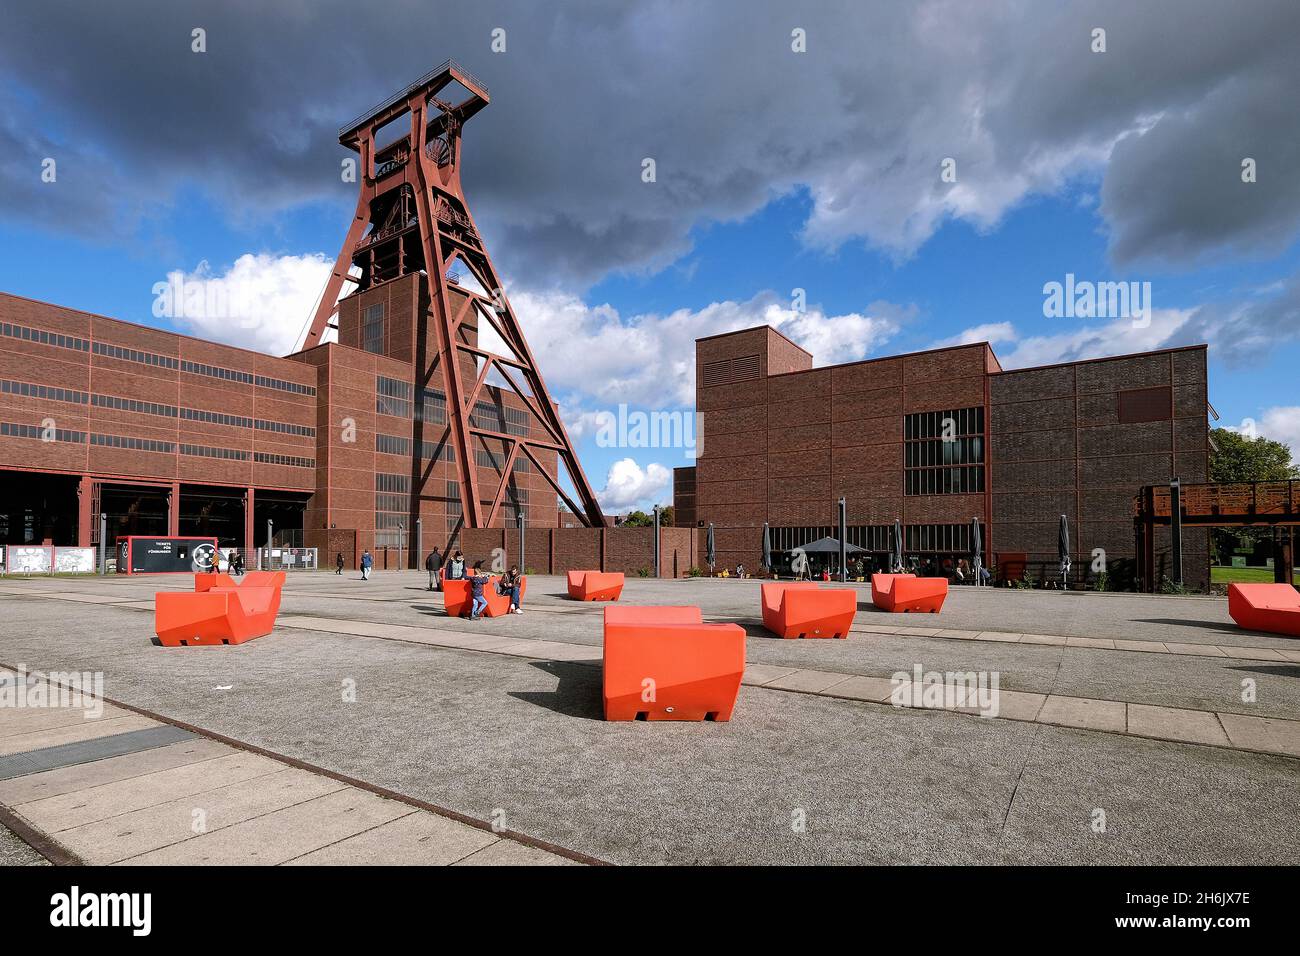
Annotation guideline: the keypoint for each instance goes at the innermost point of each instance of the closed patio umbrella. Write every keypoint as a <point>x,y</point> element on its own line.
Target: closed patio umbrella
<point>977,551</point>
<point>1063,550</point>
<point>767,548</point>
<point>710,555</point>
<point>896,557</point>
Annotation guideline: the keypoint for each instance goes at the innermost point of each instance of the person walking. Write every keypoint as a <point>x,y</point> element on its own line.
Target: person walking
<point>512,583</point>
<point>338,563</point>
<point>367,562</point>
<point>433,564</point>
<point>456,567</point>
<point>477,579</point>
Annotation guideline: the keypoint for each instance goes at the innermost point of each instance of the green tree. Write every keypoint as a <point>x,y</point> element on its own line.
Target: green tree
<point>1239,458</point>
<point>1245,459</point>
<point>638,519</point>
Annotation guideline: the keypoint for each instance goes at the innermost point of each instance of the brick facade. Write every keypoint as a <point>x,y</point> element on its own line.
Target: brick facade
<point>783,441</point>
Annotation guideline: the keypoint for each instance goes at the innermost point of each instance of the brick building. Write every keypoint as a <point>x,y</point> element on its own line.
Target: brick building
<point>338,446</point>
<point>938,439</point>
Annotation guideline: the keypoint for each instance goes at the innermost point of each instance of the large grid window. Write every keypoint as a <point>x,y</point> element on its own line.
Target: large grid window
<point>372,329</point>
<point>393,397</point>
<point>943,452</point>
<point>392,508</point>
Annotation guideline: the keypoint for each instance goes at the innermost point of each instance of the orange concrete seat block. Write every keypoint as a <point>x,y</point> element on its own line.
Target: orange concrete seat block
<point>1274,608</point>
<point>908,593</point>
<point>666,664</point>
<point>216,616</point>
<point>219,611</point>
<point>595,585</point>
<point>882,587</point>
<point>458,598</point>
<point>803,609</point>
<point>206,581</point>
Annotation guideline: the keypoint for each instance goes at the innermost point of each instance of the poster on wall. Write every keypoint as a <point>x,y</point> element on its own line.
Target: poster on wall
<point>29,559</point>
<point>74,560</point>
<point>141,555</point>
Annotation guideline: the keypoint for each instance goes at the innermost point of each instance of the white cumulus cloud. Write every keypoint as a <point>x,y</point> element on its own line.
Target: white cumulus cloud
<point>628,485</point>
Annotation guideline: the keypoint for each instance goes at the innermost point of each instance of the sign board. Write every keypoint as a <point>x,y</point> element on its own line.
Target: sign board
<point>141,555</point>
<point>29,559</point>
<point>74,560</point>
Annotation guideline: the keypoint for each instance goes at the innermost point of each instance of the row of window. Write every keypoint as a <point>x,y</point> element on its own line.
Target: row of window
<point>203,451</point>
<point>372,329</point>
<point>951,538</point>
<point>57,339</point>
<point>48,392</point>
<point>944,481</point>
<point>946,425</point>
<point>55,394</point>
<point>487,459</point>
<point>15,430</point>
<point>134,444</point>
<point>930,454</point>
<point>266,458</point>
<point>510,421</point>
<point>393,484</point>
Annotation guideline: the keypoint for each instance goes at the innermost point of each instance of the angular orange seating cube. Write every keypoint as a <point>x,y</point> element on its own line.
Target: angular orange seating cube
<point>1265,607</point>
<point>458,597</point>
<point>666,664</point>
<point>803,609</point>
<point>207,580</point>
<point>595,585</point>
<point>906,592</point>
<point>216,613</point>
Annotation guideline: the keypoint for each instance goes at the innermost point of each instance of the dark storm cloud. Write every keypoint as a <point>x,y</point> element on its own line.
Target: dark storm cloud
<point>711,91</point>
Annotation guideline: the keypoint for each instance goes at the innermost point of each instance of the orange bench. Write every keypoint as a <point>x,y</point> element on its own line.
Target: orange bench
<point>1265,607</point>
<point>458,597</point>
<point>217,613</point>
<point>595,585</point>
<point>666,664</point>
<point>907,592</point>
<point>804,609</point>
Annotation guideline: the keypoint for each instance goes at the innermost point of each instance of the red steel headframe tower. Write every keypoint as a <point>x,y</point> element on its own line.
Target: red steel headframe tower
<point>412,217</point>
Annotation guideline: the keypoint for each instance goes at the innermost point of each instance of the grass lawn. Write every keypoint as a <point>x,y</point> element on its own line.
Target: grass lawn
<point>1244,575</point>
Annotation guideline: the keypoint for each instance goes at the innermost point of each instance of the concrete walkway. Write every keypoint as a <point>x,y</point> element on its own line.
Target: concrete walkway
<point>101,791</point>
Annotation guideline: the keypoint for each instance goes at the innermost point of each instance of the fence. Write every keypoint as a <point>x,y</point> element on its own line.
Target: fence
<point>46,559</point>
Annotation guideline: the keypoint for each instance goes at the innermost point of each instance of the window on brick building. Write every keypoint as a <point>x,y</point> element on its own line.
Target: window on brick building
<point>372,329</point>
<point>943,452</point>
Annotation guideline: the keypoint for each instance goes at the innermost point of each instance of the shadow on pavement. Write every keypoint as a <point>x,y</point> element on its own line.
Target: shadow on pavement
<point>577,694</point>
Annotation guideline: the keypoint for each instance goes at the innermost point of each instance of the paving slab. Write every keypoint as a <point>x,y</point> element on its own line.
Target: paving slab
<point>1017,705</point>
<point>73,733</point>
<point>284,834</point>
<point>758,674</point>
<point>26,721</point>
<point>1263,733</point>
<point>1084,713</point>
<point>808,681</point>
<point>68,810</point>
<point>168,827</point>
<point>417,839</point>
<point>1171,723</point>
<point>48,783</point>
<point>874,689</point>
<point>1195,650</point>
<point>1146,647</point>
<point>510,853</point>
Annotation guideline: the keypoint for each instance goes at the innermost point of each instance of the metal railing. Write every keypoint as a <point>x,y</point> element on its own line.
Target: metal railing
<point>396,98</point>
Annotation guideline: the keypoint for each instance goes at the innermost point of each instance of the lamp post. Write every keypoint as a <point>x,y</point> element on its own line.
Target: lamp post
<point>103,540</point>
<point>519,523</point>
<point>658,556</point>
<point>844,546</point>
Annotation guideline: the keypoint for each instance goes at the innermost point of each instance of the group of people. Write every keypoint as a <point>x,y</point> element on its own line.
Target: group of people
<point>457,569</point>
<point>510,583</point>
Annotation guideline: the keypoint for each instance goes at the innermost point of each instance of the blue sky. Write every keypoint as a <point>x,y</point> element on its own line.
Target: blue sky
<point>776,170</point>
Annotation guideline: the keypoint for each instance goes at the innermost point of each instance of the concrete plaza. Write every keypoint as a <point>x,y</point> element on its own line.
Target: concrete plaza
<point>1181,729</point>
